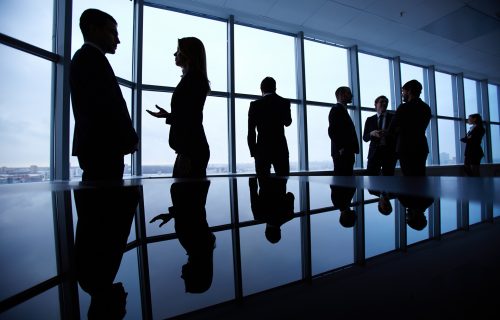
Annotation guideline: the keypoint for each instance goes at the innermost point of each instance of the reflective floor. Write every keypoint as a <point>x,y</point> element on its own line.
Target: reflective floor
<point>162,248</point>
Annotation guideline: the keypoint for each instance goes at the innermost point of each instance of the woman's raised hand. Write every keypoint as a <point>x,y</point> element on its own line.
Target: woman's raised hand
<point>161,113</point>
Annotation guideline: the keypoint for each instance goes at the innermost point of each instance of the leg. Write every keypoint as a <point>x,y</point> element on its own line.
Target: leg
<point>282,166</point>
<point>373,165</point>
<point>262,166</point>
<point>343,165</point>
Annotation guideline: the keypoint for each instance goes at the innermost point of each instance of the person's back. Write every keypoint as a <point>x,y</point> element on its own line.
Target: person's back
<point>268,116</point>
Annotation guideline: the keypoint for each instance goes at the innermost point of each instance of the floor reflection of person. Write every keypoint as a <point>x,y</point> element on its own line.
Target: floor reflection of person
<point>341,200</point>
<point>272,204</point>
<point>415,210</point>
<point>105,217</point>
<point>189,213</point>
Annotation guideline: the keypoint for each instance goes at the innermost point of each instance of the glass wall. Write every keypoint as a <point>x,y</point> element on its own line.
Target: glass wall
<point>326,68</point>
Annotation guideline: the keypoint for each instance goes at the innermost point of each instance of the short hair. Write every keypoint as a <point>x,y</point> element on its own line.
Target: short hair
<point>94,17</point>
<point>268,84</point>
<point>477,117</point>
<point>413,86</point>
<point>341,90</point>
<point>382,98</point>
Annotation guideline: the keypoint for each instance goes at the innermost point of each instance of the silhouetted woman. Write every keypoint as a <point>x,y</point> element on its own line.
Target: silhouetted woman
<point>473,150</point>
<point>187,135</point>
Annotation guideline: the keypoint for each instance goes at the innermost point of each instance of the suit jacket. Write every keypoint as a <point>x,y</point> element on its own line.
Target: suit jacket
<point>472,140</point>
<point>341,131</point>
<point>187,135</point>
<point>102,122</point>
<point>270,202</point>
<point>269,115</point>
<point>371,124</point>
<point>408,127</point>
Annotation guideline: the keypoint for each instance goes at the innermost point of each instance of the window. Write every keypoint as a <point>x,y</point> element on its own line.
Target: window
<point>447,141</point>
<point>374,79</point>
<point>123,12</point>
<point>28,20</point>
<point>25,118</point>
<point>495,142</point>
<point>365,145</point>
<point>494,96</point>
<point>411,72</point>
<point>319,145</point>
<point>471,97</point>
<point>253,61</point>
<point>445,99</point>
<point>161,32</point>
<point>326,70</point>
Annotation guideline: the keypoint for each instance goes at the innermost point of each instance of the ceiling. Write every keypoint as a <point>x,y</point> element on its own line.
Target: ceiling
<point>456,36</point>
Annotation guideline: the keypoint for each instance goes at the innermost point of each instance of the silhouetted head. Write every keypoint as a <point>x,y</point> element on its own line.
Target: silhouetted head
<point>476,119</point>
<point>410,90</point>
<point>273,233</point>
<point>268,85</point>
<point>347,218</point>
<point>381,104</point>
<point>343,95</point>
<point>415,218</point>
<point>191,55</point>
<point>384,206</point>
<point>100,28</point>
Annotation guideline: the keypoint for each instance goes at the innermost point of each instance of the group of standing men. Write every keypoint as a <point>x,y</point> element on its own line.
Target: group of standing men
<point>392,136</point>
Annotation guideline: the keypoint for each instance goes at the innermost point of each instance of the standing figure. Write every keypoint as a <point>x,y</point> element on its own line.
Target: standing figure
<point>473,150</point>
<point>381,154</point>
<point>344,141</point>
<point>187,135</point>
<point>269,115</point>
<point>408,128</point>
<point>103,128</point>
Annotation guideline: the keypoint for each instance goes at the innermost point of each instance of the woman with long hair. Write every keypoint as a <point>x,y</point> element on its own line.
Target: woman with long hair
<point>473,150</point>
<point>187,135</point>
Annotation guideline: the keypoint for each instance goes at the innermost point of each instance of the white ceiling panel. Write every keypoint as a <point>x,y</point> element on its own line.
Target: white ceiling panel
<point>375,30</point>
<point>489,7</point>
<point>218,3</point>
<point>488,43</point>
<point>296,11</point>
<point>415,14</point>
<point>257,7</point>
<point>331,17</point>
<point>358,4</point>
<point>422,44</point>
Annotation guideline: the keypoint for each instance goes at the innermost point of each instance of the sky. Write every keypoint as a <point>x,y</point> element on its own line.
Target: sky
<point>25,89</point>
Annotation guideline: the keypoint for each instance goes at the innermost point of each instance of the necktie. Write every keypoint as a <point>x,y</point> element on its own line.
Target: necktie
<point>380,121</point>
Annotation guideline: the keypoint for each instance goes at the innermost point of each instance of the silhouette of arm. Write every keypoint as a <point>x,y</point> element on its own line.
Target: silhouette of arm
<point>252,125</point>
<point>288,115</point>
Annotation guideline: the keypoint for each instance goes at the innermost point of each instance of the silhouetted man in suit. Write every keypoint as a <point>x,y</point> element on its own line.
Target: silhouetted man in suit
<point>269,115</point>
<point>103,128</point>
<point>408,129</point>
<point>342,134</point>
<point>381,154</point>
<point>341,199</point>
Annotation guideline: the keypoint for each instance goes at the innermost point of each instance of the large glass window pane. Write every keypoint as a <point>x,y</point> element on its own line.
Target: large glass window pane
<point>448,209</point>
<point>259,54</point>
<point>326,70</point>
<point>25,100</point>
<point>374,79</point>
<point>163,28</point>
<point>444,94</point>
<point>495,142</point>
<point>28,20</point>
<point>380,230</point>
<point>319,145</point>
<point>123,12</point>
<point>244,162</point>
<point>447,141</point>
<point>494,96</point>
<point>471,98</point>
<point>411,72</point>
